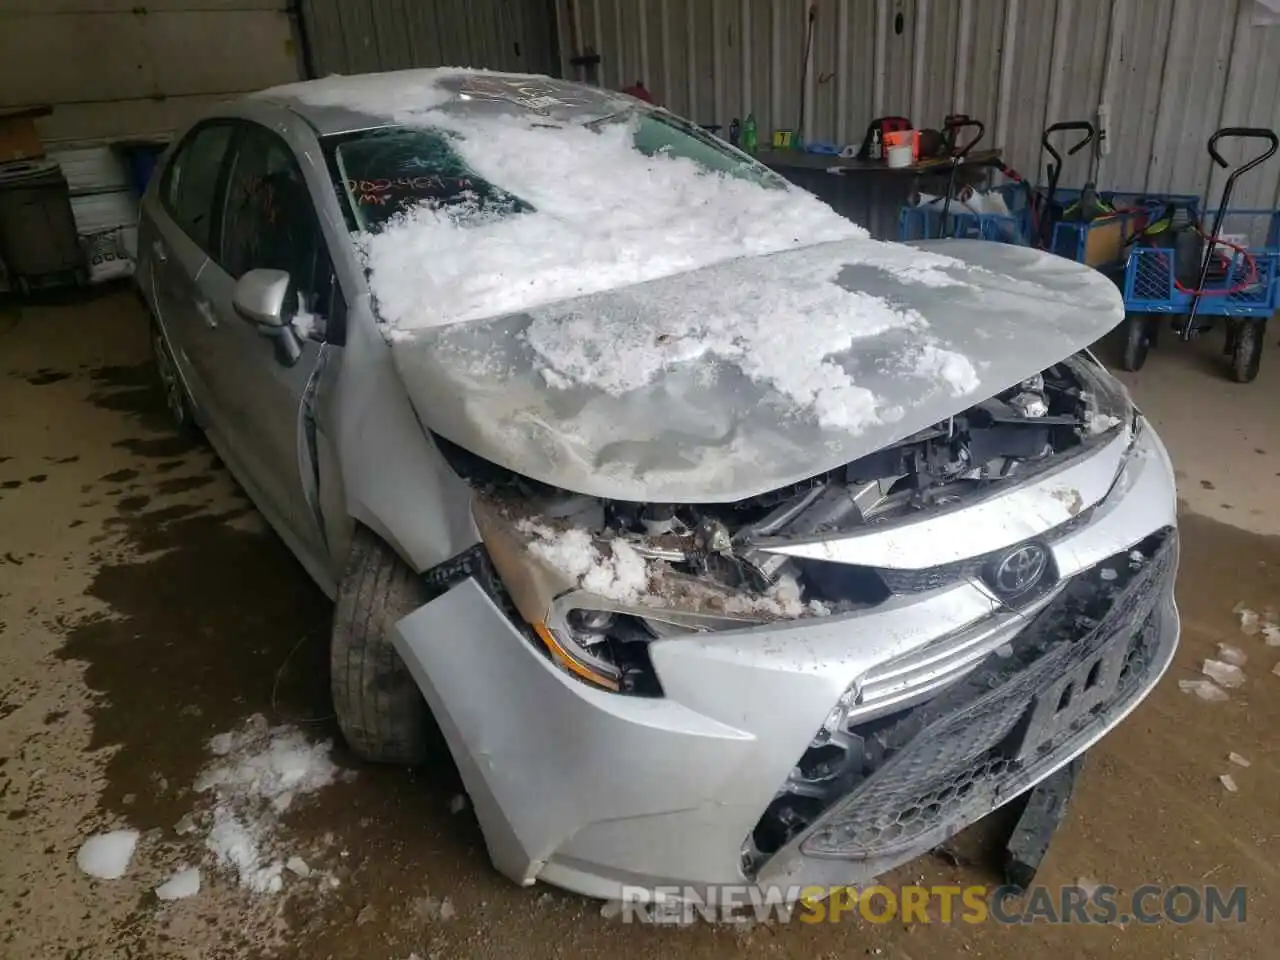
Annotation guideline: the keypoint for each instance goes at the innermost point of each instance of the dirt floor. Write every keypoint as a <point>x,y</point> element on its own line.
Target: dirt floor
<point>144,608</point>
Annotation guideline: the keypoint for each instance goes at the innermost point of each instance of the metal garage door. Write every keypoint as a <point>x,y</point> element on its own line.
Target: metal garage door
<point>116,68</point>
<point>360,36</point>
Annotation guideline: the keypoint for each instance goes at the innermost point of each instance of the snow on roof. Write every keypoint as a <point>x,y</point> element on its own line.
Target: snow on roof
<point>605,216</point>
<point>400,96</point>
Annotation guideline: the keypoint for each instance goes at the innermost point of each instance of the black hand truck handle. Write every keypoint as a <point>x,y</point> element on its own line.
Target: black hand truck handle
<point>1054,170</point>
<point>954,126</point>
<point>1089,131</point>
<point>1252,133</point>
<point>957,158</point>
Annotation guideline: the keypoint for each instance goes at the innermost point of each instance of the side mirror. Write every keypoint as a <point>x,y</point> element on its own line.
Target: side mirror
<point>259,297</point>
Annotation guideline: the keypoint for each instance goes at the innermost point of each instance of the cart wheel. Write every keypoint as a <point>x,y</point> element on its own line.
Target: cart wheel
<point>1246,352</point>
<point>1139,332</point>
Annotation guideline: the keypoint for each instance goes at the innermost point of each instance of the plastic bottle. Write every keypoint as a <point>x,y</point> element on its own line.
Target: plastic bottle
<point>735,132</point>
<point>749,133</point>
<point>877,148</point>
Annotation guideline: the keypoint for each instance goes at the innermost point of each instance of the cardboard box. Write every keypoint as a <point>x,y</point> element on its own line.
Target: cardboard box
<point>1104,242</point>
<point>19,138</point>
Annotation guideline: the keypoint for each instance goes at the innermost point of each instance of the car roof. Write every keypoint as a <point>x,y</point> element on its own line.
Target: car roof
<point>342,104</point>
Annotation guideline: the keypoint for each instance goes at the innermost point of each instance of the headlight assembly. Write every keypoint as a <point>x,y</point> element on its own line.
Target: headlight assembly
<point>593,639</point>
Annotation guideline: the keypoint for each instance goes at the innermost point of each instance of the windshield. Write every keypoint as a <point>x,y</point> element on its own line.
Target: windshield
<point>657,132</point>
<point>382,173</point>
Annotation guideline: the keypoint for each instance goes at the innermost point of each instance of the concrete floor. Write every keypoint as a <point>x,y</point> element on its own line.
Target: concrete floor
<point>144,607</point>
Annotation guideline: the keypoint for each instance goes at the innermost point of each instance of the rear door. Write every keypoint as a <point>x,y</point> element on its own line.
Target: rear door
<point>268,220</point>
<point>182,215</point>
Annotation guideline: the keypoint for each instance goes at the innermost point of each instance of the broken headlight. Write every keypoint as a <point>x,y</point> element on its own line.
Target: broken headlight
<point>596,640</point>
<point>603,647</point>
<point>1106,402</point>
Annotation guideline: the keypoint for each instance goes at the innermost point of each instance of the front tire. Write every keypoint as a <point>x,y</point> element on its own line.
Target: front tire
<point>380,710</point>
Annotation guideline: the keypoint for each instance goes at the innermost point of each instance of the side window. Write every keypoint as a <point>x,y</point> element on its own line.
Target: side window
<point>269,221</point>
<point>191,181</point>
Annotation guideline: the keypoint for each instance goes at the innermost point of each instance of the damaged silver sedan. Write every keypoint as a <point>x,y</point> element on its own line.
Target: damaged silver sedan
<point>721,542</point>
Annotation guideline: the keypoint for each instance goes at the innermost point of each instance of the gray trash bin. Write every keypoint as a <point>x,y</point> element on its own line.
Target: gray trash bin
<point>38,239</point>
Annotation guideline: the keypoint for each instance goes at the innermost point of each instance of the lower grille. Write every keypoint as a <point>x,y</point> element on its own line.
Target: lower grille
<point>917,776</point>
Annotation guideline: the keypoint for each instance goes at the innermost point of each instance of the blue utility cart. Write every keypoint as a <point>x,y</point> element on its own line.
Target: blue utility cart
<point>1193,280</point>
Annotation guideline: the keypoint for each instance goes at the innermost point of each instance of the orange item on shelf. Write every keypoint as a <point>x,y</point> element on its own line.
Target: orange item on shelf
<point>897,138</point>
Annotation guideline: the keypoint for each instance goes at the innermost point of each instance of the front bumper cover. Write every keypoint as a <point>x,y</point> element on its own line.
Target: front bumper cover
<point>593,791</point>
<point>1084,662</point>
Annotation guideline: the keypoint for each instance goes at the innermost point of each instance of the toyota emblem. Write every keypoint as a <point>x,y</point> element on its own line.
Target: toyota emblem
<point>1019,570</point>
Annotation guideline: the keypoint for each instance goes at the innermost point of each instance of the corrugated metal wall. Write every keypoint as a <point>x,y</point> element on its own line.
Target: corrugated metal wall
<point>113,68</point>
<point>1168,72</point>
<point>363,36</point>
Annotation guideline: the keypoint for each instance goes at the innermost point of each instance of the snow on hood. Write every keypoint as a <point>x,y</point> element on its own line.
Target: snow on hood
<point>745,376</point>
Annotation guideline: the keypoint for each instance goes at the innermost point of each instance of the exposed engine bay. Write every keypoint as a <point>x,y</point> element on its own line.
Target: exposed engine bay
<point>710,566</point>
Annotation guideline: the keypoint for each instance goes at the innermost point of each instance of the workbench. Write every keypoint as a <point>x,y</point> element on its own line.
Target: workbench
<point>870,192</point>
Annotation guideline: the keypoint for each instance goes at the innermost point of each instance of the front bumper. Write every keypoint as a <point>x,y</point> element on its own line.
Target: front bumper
<point>962,708</point>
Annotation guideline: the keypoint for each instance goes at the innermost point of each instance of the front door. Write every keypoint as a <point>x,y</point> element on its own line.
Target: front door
<point>268,221</point>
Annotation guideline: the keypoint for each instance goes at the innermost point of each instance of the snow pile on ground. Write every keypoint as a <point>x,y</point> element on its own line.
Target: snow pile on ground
<point>1223,674</point>
<point>257,773</point>
<point>1226,673</point>
<point>1232,655</point>
<point>1253,623</point>
<point>107,855</point>
<point>271,764</point>
<point>185,883</point>
<point>239,845</point>
<point>1204,689</point>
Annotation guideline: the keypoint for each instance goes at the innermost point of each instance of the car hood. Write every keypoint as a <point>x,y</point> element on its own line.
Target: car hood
<point>740,378</point>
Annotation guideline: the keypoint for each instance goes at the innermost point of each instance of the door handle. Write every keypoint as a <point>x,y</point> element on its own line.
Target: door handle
<point>206,311</point>
<point>158,249</point>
